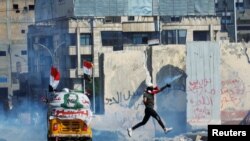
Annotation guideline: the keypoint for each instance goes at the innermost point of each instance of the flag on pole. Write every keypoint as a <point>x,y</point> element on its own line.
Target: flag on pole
<point>54,79</point>
<point>87,70</point>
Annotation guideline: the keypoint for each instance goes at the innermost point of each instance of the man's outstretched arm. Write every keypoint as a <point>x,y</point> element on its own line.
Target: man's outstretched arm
<point>165,86</point>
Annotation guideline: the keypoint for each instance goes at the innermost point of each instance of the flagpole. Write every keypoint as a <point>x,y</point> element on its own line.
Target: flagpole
<point>93,92</point>
<point>88,71</point>
<point>84,85</point>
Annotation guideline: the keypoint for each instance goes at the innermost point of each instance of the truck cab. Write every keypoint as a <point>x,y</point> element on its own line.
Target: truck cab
<point>69,117</point>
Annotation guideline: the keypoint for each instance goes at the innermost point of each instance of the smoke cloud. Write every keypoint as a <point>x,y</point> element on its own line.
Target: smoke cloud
<point>25,121</point>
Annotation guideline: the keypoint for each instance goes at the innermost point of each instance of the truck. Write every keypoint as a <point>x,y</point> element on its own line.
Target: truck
<point>69,116</point>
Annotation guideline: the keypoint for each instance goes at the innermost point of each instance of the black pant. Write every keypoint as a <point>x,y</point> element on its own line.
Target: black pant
<point>149,112</point>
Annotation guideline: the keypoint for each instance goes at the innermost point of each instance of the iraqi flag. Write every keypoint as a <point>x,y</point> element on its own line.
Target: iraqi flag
<point>87,70</point>
<point>54,79</point>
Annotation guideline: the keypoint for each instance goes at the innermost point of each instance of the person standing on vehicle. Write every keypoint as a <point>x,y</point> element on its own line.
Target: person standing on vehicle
<point>148,100</point>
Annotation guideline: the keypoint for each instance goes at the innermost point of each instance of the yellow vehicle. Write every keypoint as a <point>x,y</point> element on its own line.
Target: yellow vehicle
<point>69,117</point>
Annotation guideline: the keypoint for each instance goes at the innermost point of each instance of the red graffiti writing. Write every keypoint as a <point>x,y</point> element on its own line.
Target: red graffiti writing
<point>201,112</point>
<point>230,99</point>
<point>70,112</point>
<point>201,97</point>
<point>199,84</point>
<point>201,87</point>
<point>232,93</point>
<point>201,100</point>
<point>229,82</point>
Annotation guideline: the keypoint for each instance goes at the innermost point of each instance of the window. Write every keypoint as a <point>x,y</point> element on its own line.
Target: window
<point>165,19</point>
<point>2,53</point>
<point>25,8</point>
<point>216,4</point>
<point>226,18</point>
<point>3,79</point>
<point>111,38</point>
<point>201,36</point>
<point>175,19</point>
<point>240,5</point>
<point>182,36</point>
<point>15,6</point>
<point>85,39</point>
<point>140,38</point>
<point>24,52</point>
<point>243,27</point>
<point>131,18</point>
<point>4,92</point>
<point>174,36</point>
<point>171,37</point>
<point>73,61</point>
<point>72,39</point>
<point>31,7</point>
<point>112,19</point>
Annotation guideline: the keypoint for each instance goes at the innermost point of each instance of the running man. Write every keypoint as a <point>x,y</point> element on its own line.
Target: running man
<point>148,100</point>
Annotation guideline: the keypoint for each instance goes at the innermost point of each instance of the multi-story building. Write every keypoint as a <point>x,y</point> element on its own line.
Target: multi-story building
<point>83,30</point>
<point>231,12</point>
<point>15,16</point>
<point>243,20</point>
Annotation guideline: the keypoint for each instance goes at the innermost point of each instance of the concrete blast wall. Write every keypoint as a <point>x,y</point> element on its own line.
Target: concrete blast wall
<point>126,72</point>
<point>125,77</point>
<point>235,83</point>
<point>203,84</point>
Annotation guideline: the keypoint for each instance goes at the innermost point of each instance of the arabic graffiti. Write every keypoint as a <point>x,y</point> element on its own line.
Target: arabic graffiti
<point>69,113</point>
<point>118,98</point>
<point>201,98</point>
<point>232,93</point>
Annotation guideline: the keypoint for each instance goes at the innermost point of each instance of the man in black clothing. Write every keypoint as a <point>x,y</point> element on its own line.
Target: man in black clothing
<point>148,100</point>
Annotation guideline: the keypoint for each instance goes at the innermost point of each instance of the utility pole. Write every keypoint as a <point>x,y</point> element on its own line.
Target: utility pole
<point>93,58</point>
<point>52,55</point>
<point>8,23</point>
<point>78,53</point>
<point>235,22</point>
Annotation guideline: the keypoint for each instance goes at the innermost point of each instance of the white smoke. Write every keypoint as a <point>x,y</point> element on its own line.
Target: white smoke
<point>148,76</point>
<point>26,121</point>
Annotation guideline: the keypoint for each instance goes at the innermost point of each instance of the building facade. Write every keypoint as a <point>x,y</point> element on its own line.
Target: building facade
<point>231,12</point>
<point>65,42</point>
<point>15,16</point>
